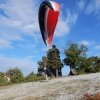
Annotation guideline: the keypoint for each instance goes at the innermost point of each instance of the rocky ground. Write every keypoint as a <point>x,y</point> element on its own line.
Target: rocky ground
<point>64,88</point>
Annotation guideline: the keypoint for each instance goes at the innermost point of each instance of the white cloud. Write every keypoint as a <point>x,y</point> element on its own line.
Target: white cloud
<point>30,57</point>
<point>8,35</point>
<point>21,10</point>
<point>64,23</point>
<point>28,46</point>
<point>93,7</point>
<point>46,49</point>
<point>31,28</point>
<point>81,4</point>
<point>97,54</point>
<point>87,43</point>
<point>6,22</point>
<point>97,47</point>
<point>26,64</point>
<point>5,44</point>
<point>90,8</point>
<point>19,18</point>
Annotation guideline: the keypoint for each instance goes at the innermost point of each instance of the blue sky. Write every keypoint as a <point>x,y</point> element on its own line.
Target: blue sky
<point>21,44</point>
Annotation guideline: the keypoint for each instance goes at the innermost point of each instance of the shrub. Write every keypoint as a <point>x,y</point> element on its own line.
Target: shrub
<point>33,77</point>
<point>89,97</point>
<point>3,80</point>
<point>16,75</point>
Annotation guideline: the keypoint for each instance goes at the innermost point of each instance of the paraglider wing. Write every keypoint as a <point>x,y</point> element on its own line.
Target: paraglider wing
<point>48,18</point>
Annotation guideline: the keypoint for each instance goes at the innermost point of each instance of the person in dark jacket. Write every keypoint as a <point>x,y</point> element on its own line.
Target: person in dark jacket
<point>47,72</point>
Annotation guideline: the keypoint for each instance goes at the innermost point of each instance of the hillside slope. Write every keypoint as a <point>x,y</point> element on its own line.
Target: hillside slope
<point>65,88</point>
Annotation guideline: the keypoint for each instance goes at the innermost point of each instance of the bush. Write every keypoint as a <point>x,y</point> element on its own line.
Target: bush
<point>89,70</point>
<point>3,80</point>
<point>33,77</point>
<point>16,75</point>
<point>97,69</point>
<point>87,96</point>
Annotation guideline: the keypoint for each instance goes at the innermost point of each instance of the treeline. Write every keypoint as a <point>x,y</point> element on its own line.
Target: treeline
<point>75,57</point>
<point>15,75</point>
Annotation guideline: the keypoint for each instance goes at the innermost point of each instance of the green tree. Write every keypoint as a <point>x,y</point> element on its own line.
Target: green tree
<point>16,74</point>
<point>97,65</point>
<point>94,64</point>
<point>30,77</point>
<point>75,57</point>
<point>42,64</point>
<point>54,61</point>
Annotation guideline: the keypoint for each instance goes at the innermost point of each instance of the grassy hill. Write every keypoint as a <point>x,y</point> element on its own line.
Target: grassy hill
<point>64,88</point>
